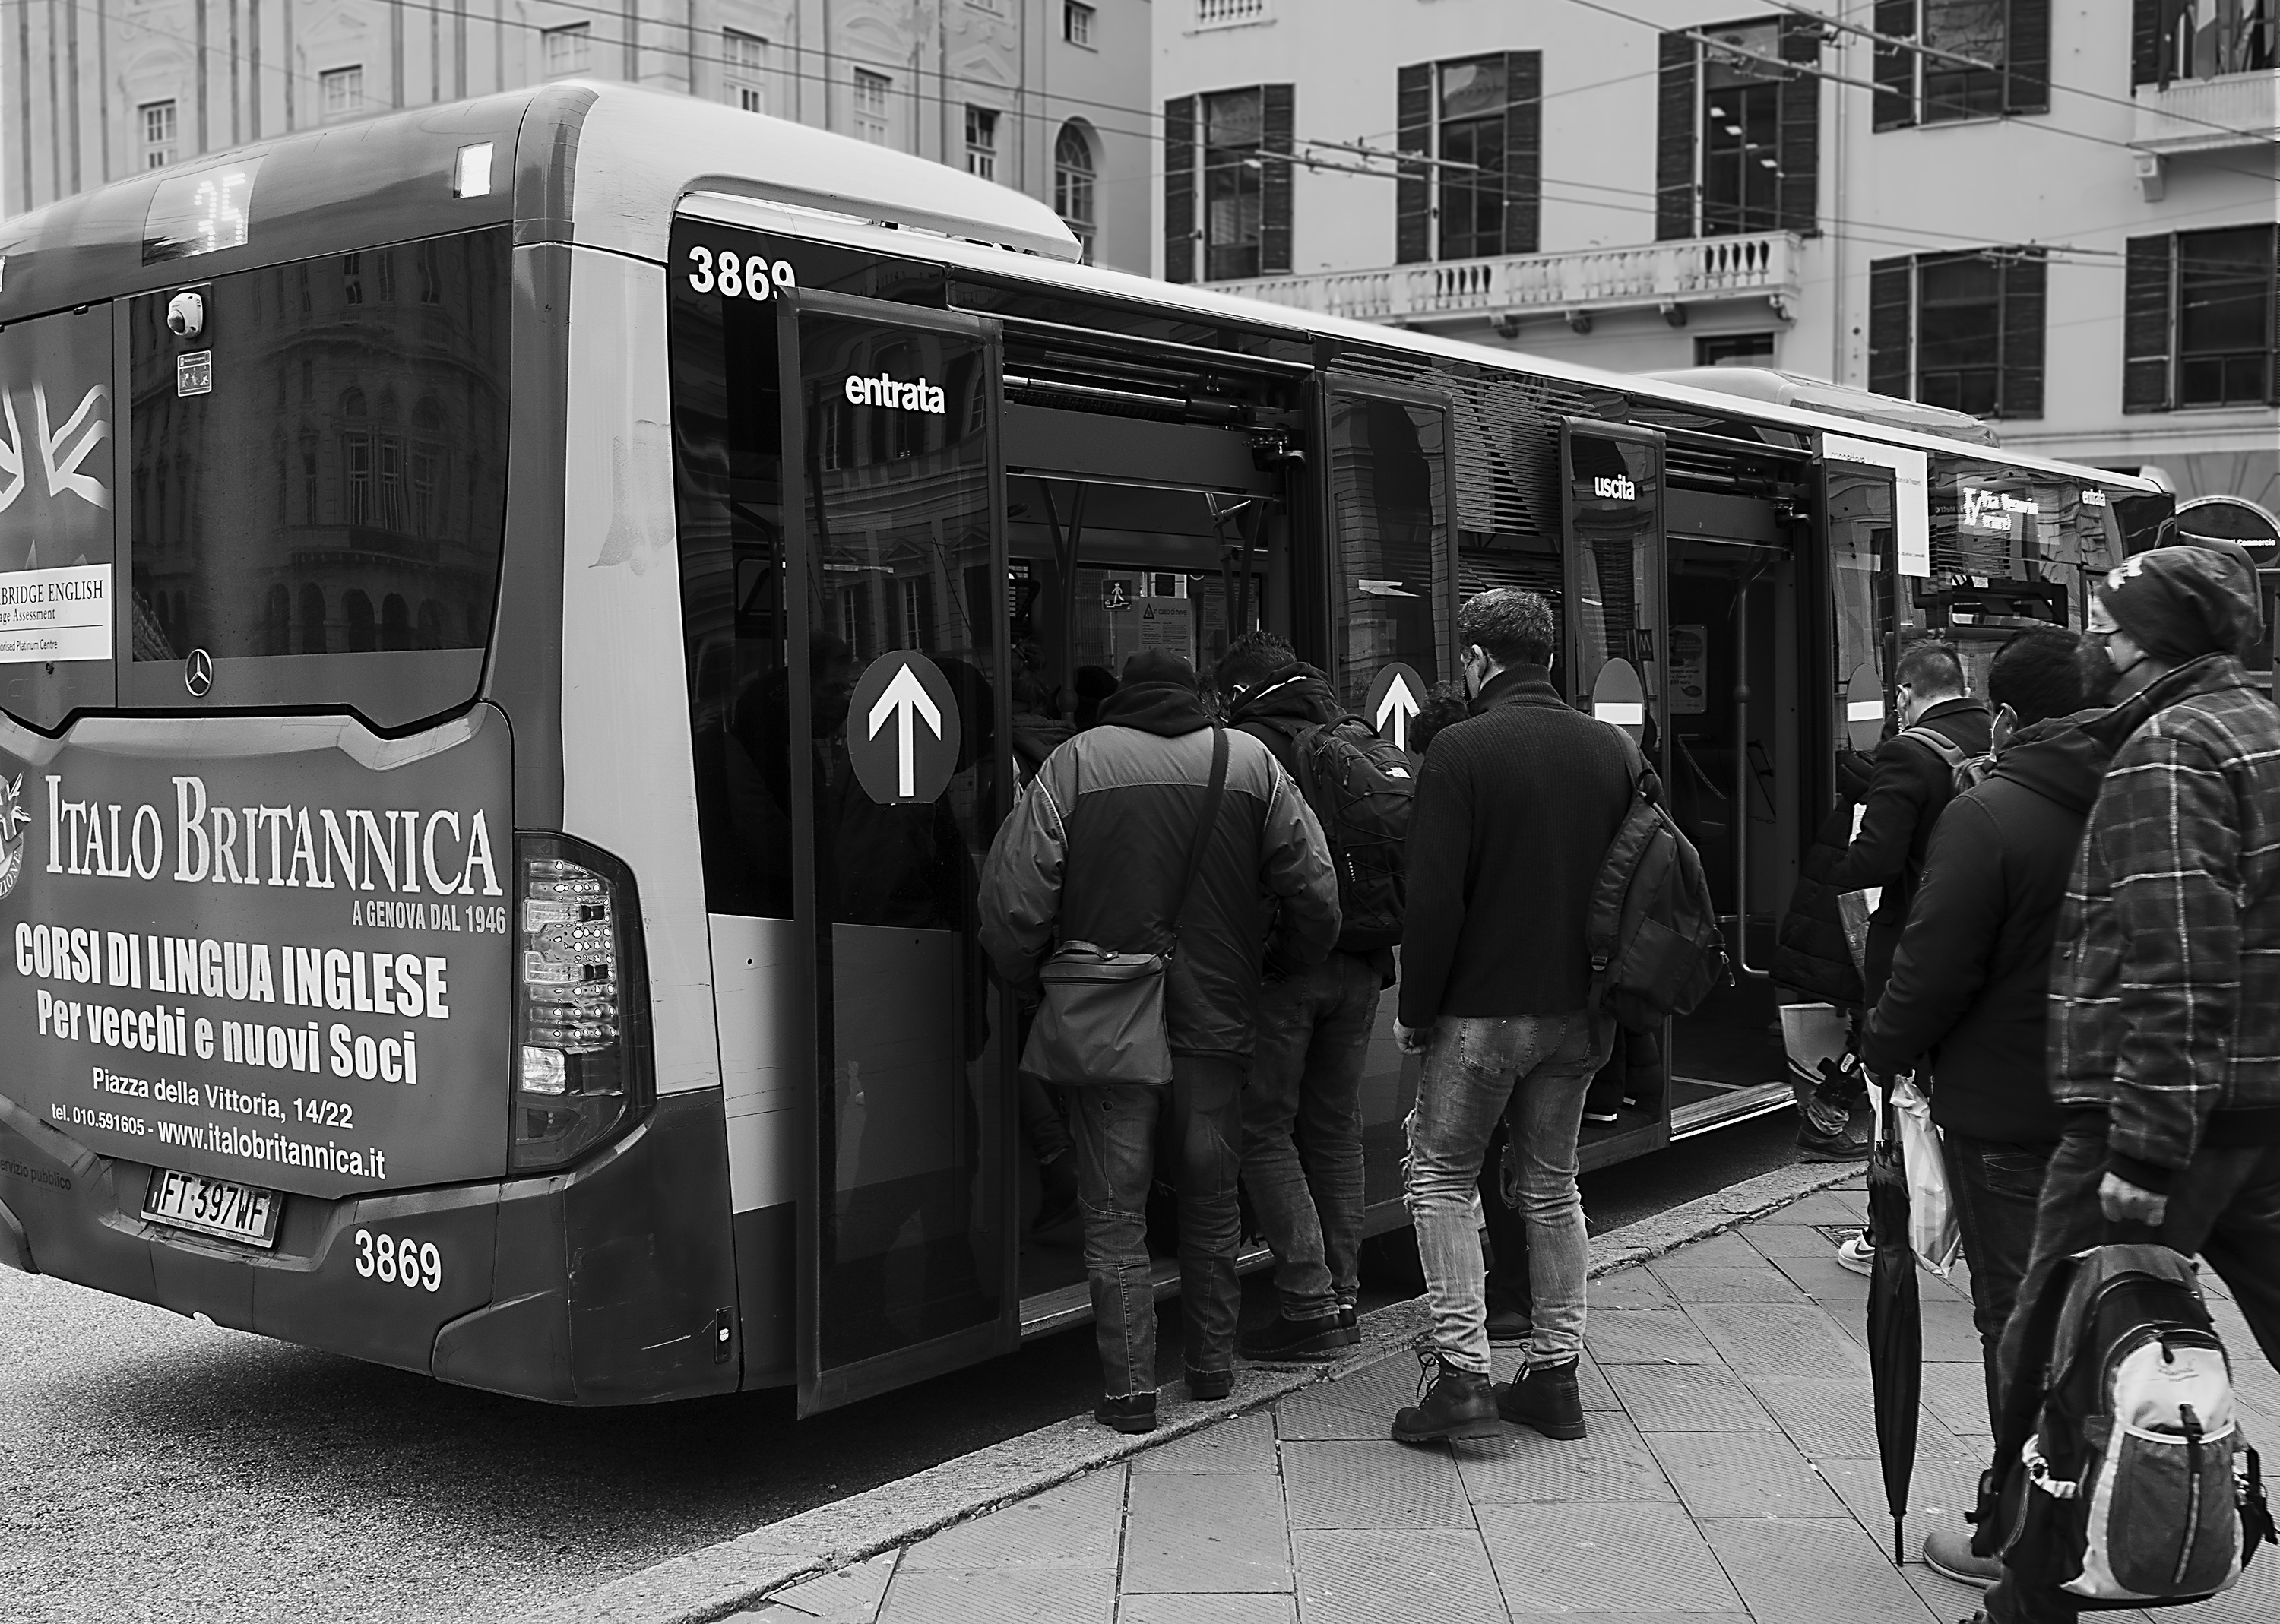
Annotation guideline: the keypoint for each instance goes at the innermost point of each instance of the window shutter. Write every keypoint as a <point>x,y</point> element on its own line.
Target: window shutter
<point>2019,385</point>
<point>1523,151</point>
<point>1180,189</point>
<point>1412,188</point>
<point>2146,324</point>
<point>1675,138</point>
<point>1798,138</point>
<point>1891,322</point>
<point>1277,108</point>
<point>2027,78</point>
<point>2146,41</point>
<point>1894,70</point>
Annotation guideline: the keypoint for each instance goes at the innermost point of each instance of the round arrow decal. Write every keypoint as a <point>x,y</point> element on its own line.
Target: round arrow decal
<point>902,729</point>
<point>1396,695</point>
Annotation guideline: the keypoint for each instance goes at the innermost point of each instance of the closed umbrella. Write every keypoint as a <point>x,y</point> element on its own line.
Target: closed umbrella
<point>1895,1325</point>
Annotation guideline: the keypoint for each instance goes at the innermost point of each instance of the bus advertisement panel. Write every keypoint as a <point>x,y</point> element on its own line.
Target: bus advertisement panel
<point>274,953</point>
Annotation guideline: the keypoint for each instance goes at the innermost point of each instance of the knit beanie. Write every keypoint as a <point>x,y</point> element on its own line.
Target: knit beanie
<point>1159,665</point>
<point>2180,603</point>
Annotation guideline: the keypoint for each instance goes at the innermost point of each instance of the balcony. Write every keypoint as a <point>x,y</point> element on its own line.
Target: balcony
<point>1231,13</point>
<point>1664,276</point>
<point>2207,115</point>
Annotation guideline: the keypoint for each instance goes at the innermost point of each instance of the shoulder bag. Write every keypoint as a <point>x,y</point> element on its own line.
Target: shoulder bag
<point>1102,1018</point>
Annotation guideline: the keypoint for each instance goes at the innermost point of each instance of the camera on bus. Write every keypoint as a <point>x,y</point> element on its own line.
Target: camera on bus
<point>186,314</point>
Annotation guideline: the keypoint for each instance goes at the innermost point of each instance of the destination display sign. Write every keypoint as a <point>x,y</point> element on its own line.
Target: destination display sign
<point>271,951</point>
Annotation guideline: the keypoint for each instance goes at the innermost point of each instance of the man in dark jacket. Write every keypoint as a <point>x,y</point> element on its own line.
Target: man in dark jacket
<point>1515,811</point>
<point>1302,1154</point>
<point>1095,852</point>
<point>1911,787</point>
<point>2165,992</point>
<point>1971,987</point>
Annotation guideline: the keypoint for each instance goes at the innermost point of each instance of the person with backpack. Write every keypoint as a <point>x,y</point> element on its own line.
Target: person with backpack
<point>1160,839</point>
<point>1515,811</point>
<point>1302,1150</point>
<point>1913,780</point>
<point>1969,995</point>
<point>2165,989</point>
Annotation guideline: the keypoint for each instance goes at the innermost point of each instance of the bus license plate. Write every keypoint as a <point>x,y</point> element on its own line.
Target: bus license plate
<point>215,1207</point>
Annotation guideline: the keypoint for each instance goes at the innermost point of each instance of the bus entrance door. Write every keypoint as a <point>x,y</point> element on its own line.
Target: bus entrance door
<point>1615,566</point>
<point>896,581</point>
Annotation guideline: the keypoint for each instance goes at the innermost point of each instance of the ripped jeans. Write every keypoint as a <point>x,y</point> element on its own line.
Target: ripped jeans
<point>1534,1070</point>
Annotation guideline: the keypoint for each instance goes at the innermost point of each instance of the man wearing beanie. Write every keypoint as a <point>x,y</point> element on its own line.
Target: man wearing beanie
<point>1097,851</point>
<point>2165,988</point>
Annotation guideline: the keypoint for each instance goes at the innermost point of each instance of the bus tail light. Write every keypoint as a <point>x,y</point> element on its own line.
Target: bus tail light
<point>582,999</point>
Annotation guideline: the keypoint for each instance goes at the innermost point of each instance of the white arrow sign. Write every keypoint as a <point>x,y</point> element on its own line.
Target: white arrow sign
<point>904,695</point>
<point>1400,705</point>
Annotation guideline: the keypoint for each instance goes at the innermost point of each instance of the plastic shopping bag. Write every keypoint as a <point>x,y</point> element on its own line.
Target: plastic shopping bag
<point>1933,1230</point>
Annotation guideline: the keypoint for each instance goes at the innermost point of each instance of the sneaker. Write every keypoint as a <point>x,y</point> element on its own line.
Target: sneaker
<point>1204,1386</point>
<point>1508,1327</point>
<point>1858,1254</point>
<point>1135,1412</point>
<point>1847,1145</point>
<point>1948,1550</point>
<point>1544,1396</point>
<point>1285,1338</point>
<point>1451,1402</point>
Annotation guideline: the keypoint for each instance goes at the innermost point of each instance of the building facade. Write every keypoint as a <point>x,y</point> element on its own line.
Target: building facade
<point>1045,96</point>
<point>2058,215</point>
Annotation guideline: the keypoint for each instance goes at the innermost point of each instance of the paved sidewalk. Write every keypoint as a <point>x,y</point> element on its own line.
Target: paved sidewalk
<point>1730,1477</point>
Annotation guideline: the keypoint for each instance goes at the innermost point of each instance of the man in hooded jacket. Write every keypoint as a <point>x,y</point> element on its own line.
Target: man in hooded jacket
<point>1302,1150</point>
<point>2165,992</point>
<point>1095,852</point>
<point>1970,986</point>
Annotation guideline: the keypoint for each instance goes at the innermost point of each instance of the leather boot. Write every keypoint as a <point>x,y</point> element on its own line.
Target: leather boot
<point>1136,1413</point>
<point>1451,1404</point>
<point>1544,1396</point>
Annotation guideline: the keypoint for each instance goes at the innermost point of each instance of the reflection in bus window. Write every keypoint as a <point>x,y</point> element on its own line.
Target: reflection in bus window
<point>1390,519</point>
<point>257,488</point>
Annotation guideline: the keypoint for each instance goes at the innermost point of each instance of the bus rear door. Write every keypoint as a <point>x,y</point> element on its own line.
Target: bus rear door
<point>898,771</point>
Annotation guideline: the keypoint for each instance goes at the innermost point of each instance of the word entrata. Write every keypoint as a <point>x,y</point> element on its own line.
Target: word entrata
<point>225,845</point>
<point>334,978</point>
<point>1618,486</point>
<point>916,395</point>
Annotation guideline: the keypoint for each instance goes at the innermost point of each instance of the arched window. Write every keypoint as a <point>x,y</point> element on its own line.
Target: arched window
<point>1073,174</point>
<point>312,620</point>
<point>355,609</point>
<point>394,623</point>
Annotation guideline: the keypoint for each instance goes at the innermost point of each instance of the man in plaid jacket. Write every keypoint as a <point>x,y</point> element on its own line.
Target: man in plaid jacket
<point>2165,989</point>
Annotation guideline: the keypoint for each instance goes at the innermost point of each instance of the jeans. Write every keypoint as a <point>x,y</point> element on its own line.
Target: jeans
<point>1302,1155</point>
<point>2225,1206</point>
<point>1996,1184</point>
<point>1113,1129</point>
<point>1475,1067</point>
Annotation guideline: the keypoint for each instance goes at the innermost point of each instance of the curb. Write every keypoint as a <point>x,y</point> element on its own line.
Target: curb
<point>737,1574</point>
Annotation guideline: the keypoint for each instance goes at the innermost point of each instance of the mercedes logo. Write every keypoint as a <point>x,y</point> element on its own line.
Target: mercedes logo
<point>197,672</point>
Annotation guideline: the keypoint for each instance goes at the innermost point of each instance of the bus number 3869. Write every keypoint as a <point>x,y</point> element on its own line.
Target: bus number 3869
<point>733,276</point>
<point>400,1262</point>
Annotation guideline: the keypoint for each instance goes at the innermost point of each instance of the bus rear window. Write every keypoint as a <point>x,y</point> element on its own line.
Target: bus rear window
<point>319,470</point>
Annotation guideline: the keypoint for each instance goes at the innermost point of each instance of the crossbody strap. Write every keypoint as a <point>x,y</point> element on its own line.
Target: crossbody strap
<point>1213,796</point>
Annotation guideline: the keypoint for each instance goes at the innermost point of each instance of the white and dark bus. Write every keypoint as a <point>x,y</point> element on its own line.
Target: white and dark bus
<point>514,623</point>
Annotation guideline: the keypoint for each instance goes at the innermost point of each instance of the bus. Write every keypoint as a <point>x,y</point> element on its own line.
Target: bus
<point>517,618</point>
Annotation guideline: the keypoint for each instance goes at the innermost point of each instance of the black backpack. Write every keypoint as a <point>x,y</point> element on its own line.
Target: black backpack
<point>2121,1475</point>
<point>1652,928</point>
<point>1360,788</point>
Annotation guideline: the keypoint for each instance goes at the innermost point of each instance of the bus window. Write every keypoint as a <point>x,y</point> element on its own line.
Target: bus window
<point>728,474</point>
<point>319,473</point>
<point>1389,511</point>
<point>1858,503</point>
<point>56,513</point>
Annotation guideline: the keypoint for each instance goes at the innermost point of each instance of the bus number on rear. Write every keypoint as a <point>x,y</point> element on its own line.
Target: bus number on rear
<point>732,275</point>
<point>403,1262</point>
